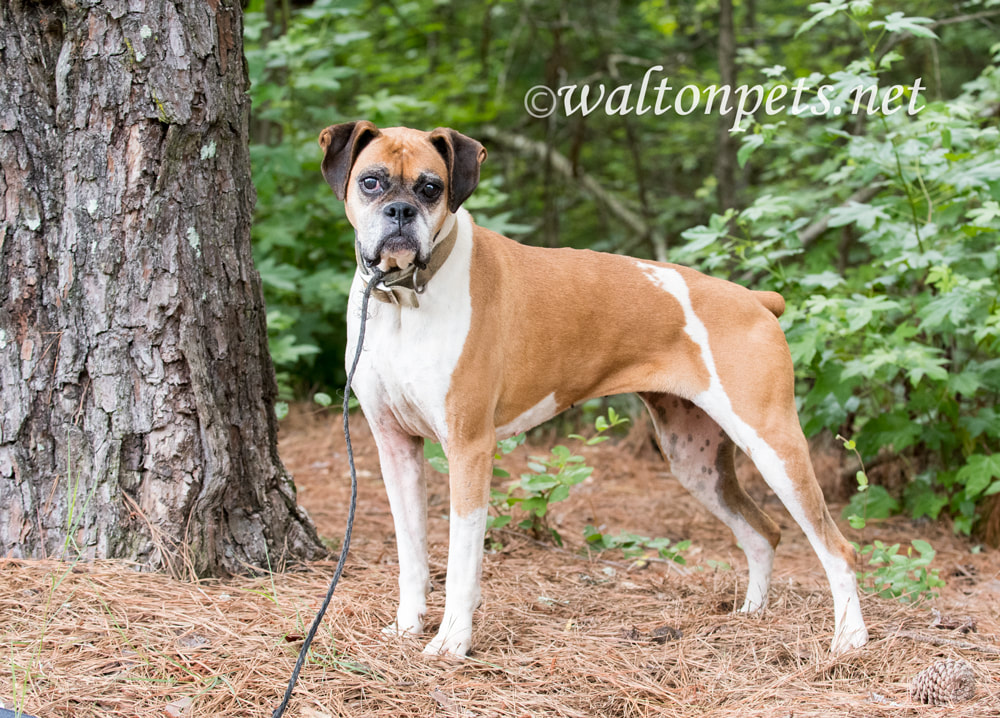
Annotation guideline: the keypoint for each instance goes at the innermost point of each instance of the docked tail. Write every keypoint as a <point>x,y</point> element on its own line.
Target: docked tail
<point>772,301</point>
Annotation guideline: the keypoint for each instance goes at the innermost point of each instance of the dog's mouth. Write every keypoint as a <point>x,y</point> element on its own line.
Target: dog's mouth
<point>396,252</point>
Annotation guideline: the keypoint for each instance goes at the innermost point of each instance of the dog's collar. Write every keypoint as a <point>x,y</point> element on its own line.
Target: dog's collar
<point>402,287</point>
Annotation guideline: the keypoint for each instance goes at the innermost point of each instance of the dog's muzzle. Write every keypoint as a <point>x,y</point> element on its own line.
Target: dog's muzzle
<point>396,251</point>
<point>402,286</point>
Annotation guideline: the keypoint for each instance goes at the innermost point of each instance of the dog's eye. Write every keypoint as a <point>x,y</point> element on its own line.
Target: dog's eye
<point>431,190</point>
<point>370,184</point>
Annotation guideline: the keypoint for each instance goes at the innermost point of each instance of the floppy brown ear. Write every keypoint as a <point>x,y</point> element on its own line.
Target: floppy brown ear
<point>341,146</point>
<point>462,155</point>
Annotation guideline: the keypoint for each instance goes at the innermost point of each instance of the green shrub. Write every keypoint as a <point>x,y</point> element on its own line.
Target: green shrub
<point>893,310</point>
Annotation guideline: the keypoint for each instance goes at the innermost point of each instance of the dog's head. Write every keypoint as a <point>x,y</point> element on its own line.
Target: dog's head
<point>400,186</point>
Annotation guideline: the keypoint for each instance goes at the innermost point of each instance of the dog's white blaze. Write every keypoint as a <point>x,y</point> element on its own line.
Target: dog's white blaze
<point>543,410</point>
<point>411,353</point>
<point>715,402</point>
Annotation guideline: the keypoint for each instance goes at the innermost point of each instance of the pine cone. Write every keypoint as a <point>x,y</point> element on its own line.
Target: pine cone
<point>944,682</point>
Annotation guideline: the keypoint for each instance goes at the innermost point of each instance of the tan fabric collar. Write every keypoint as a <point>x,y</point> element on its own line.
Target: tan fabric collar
<point>403,287</point>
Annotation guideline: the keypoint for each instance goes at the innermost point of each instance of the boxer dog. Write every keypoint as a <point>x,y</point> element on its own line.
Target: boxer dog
<point>476,338</point>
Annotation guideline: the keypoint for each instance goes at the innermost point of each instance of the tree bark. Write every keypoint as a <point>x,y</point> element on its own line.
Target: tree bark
<point>725,158</point>
<point>136,388</point>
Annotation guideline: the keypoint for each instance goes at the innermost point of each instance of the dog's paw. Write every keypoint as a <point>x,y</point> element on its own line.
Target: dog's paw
<point>393,630</point>
<point>405,625</point>
<point>848,638</point>
<point>454,643</point>
<point>752,606</point>
<point>409,620</point>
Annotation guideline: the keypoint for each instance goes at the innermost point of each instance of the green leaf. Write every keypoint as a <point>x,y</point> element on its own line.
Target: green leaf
<point>953,307</point>
<point>889,59</point>
<point>978,472</point>
<point>556,537</point>
<point>508,445</point>
<point>591,534</point>
<point>561,452</point>
<point>927,503</point>
<point>986,216</point>
<point>536,483</point>
<point>821,11</point>
<point>898,22</point>
<point>895,429</point>
<point>747,147</point>
<point>864,215</point>
<point>536,505</point>
<point>701,237</point>
<point>498,522</point>
<point>435,456</point>
<point>322,398</point>
<point>559,493</point>
<point>875,503</point>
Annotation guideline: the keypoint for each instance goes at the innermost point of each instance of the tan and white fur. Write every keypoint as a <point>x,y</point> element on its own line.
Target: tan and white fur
<point>506,336</point>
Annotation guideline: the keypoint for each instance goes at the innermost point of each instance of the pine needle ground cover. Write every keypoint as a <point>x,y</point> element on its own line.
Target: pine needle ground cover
<point>560,633</point>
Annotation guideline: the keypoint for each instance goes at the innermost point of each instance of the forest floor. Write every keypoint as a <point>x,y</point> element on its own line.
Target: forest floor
<point>560,632</point>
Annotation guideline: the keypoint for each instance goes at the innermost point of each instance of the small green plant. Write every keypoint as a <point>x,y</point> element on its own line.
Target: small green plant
<point>635,546</point>
<point>870,502</point>
<point>548,481</point>
<point>904,577</point>
<point>439,462</point>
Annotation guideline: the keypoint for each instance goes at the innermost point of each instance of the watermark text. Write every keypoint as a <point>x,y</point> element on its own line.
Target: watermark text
<point>739,102</point>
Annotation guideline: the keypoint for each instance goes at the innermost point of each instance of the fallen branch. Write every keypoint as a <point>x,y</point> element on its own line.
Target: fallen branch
<point>561,164</point>
<point>811,233</point>
<point>941,641</point>
<point>900,37</point>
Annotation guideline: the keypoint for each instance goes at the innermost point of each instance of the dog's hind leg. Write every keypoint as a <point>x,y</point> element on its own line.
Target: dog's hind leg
<point>781,454</point>
<point>701,457</point>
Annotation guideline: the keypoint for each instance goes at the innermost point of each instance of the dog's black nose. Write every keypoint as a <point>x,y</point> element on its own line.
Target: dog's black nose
<point>401,212</point>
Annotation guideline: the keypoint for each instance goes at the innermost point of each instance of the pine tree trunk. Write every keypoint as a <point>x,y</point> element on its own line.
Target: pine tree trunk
<point>136,388</point>
<point>726,144</point>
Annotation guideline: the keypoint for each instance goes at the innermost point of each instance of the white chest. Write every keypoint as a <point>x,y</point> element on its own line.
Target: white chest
<point>410,354</point>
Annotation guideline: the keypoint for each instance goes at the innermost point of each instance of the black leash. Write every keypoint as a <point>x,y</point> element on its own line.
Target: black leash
<point>377,275</point>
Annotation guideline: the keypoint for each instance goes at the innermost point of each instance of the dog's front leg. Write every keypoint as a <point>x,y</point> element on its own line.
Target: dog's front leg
<point>469,480</point>
<point>401,459</point>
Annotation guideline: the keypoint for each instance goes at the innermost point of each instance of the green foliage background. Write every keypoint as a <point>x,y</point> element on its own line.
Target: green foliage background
<point>881,232</point>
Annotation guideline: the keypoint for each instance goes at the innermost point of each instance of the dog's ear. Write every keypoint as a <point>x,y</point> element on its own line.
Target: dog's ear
<point>341,146</point>
<point>462,155</point>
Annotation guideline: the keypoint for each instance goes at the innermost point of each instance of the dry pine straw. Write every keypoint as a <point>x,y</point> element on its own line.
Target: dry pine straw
<point>558,635</point>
